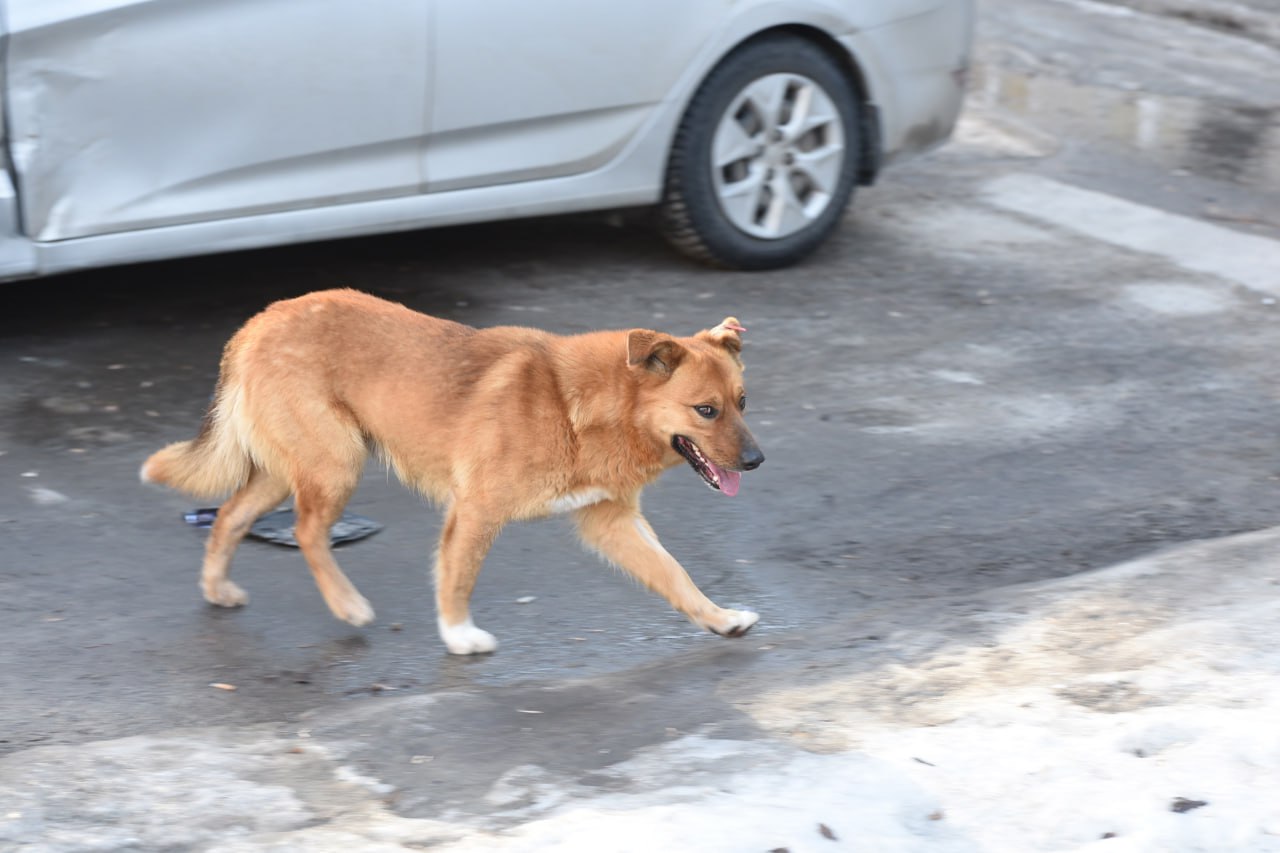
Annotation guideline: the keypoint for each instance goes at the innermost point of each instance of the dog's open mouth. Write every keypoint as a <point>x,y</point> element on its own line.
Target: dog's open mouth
<point>716,477</point>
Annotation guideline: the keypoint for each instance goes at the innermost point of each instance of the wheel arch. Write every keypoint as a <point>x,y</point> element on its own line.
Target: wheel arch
<point>869,135</point>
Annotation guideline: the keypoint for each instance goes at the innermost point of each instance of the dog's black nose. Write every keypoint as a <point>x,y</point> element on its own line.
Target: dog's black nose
<point>751,459</point>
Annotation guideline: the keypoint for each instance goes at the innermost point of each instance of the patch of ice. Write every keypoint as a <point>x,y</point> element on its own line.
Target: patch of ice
<point>960,377</point>
<point>46,497</point>
<point>1176,299</point>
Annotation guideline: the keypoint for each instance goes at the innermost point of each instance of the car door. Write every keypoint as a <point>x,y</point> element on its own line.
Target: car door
<point>526,90</point>
<point>129,114</point>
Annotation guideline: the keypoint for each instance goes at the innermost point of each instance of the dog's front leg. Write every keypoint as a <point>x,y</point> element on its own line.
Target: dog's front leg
<point>622,536</point>
<point>463,545</point>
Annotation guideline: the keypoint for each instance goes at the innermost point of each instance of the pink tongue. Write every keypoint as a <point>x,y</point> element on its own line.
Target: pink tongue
<point>729,480</point>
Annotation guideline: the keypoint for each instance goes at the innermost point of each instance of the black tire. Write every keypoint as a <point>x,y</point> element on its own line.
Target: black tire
<point>690,213</point>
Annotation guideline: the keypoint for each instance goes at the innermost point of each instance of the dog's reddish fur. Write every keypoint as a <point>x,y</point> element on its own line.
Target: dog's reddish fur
<point>495,425</point>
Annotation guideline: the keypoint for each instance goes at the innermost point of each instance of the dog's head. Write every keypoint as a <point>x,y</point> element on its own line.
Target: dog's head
<point>691,400</point>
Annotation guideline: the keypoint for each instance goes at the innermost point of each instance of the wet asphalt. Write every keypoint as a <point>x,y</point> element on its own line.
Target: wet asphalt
<point>951,400</point>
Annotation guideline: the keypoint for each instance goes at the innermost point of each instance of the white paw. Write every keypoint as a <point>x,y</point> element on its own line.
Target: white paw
<point>224,593</point>
<point>355,610</point>
<point>466,639</point>
<point>733,623</point>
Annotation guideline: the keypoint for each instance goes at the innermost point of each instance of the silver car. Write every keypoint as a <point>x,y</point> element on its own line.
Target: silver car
<point>143,129</point>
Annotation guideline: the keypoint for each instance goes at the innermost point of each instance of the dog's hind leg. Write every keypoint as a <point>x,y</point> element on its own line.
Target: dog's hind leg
<point>463,545</point>
<point>259,494</point>
<point>318,504</point>
<point>622,536</point>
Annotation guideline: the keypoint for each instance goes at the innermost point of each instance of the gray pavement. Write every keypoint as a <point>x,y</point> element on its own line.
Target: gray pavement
<point>957,396</point>
<point>1257,20</point>
<point>1045,716</point>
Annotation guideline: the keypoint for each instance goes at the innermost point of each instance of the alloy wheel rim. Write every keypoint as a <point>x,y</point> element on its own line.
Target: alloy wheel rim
<point>776,155</point>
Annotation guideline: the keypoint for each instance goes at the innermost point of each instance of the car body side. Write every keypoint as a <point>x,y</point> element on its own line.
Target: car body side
<point>145,129</point>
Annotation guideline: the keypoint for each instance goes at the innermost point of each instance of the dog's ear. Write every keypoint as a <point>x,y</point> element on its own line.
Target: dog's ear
<point>728,335</point>
<point>654,351</point>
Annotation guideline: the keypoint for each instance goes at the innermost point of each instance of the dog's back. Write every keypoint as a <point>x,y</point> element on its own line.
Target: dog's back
<point>325,377</point>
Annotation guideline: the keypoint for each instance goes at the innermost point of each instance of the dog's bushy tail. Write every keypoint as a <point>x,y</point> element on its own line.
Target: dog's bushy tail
<point>217,461</point>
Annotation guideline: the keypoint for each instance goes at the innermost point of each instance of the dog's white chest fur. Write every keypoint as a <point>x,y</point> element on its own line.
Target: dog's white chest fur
<point>577,500</point>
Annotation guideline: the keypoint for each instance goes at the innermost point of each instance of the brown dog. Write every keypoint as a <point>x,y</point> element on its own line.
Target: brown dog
<point>495,424</point>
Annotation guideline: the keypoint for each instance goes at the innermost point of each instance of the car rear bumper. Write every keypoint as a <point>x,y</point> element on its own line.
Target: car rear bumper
<point>915,70</point>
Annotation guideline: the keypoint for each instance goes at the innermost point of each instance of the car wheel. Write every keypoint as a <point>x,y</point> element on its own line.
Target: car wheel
<point>765,158</point>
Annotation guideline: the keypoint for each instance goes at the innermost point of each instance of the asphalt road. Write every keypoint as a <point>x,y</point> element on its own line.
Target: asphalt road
<point>963,390</point>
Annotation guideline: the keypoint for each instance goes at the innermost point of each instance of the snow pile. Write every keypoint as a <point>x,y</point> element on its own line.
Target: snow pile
<point>1186,778</point>
<point>1131,709</point>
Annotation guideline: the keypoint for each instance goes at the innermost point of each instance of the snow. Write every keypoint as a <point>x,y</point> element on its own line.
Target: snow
<point>1102,700</point>
<point>1006,779</point>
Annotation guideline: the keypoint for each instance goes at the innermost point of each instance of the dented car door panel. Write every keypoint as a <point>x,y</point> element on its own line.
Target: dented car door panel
<point>131,114</point>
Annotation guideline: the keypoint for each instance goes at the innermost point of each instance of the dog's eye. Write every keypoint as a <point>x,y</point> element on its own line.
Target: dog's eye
<point>707,412</point>
<point>742,403</point>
